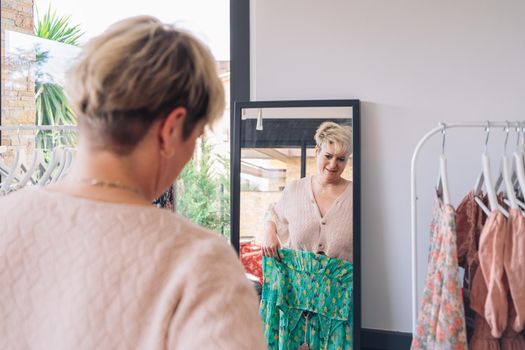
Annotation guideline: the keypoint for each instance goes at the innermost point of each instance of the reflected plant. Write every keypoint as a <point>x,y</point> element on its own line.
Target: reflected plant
<point>52,106</point>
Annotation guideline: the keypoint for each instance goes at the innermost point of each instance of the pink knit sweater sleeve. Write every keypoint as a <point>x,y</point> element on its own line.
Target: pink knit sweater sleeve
<point>218,308</point>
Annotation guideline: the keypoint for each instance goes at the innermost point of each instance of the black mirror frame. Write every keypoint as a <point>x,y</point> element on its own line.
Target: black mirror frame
<point>235,170</point>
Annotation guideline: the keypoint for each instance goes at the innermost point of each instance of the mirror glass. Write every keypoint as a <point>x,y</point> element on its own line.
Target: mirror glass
<point>295,219</point>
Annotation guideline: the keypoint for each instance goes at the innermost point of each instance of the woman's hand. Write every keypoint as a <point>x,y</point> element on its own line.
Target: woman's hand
<point>271,242</point>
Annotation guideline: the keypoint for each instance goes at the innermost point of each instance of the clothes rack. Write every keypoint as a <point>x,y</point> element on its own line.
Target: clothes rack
<point>38,127</point>
<point>20,132</point>
<point>413,190</point>
<point>167,200</point>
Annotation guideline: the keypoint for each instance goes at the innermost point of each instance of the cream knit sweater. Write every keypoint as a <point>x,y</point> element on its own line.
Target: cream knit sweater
<point>83,274</point>
<point>300,225</point>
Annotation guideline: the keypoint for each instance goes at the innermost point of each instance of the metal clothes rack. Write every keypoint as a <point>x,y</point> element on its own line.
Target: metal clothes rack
<point>413,191</point>
<point>38,127</point>
<point>35,128</point>
<point>15,131</point>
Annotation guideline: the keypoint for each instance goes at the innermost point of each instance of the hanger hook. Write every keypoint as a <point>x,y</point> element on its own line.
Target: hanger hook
<point>444,133</point>
<point>487,130</point>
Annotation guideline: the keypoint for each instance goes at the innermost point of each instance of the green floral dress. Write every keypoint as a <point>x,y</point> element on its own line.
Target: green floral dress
<point>307,300</point>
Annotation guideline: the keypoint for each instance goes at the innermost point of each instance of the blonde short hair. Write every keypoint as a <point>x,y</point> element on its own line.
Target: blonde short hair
<point>137,72</point>
<point>333,133</point>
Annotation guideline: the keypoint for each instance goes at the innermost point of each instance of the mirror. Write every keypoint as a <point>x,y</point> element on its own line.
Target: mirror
<point>295,181</point>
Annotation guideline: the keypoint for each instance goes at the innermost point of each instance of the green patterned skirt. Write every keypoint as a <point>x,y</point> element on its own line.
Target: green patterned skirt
<point>307,300</point>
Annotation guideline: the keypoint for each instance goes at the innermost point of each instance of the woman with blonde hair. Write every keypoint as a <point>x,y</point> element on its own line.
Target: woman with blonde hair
<point>315,213</point>
<point>89,262</point>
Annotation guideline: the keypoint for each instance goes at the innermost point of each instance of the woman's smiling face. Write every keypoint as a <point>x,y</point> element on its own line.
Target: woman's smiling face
<point>330,163</point>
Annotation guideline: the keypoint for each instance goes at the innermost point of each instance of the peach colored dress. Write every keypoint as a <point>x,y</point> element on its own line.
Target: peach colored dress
<point>84,274</point>
<point>515,266</point>
<point>491,254</point>
<point>482,339</point>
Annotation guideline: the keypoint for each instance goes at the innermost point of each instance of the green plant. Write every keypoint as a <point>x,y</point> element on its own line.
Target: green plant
<point>56,28</point>
<point>52,107</point>
<point>224,195</point>
<point>202,196</point>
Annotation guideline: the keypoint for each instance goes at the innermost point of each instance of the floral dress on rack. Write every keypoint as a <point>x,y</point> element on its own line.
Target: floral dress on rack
<point>441,320</point>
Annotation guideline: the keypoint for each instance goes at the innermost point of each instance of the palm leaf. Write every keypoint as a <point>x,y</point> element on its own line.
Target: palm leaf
<point>52,107</point>
<point>53,27</point>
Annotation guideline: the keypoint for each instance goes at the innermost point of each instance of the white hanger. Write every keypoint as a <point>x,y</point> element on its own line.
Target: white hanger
<point>500,178</point>
<point>518,160</point>
<point>486,178</point>
<point>69,161</point>
<point>4,170</point>
<point>55,159</point>
<point>37,158</point>
<point>514,175</point>
<point>493,198</point>
<point>520,170</point>
<point>61,165</point>
<point>507,179</point>
<point>65,163</point>
<point>6,184</point>
<point>491,192</point>
<point>506,173</point>
<point>480,180</point>
<point>442,188</point>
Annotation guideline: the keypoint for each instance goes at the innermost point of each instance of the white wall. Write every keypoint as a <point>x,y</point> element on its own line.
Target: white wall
<point>412,63</point>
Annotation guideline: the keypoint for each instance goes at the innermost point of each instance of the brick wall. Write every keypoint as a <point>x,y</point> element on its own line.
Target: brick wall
<point>18,86</point>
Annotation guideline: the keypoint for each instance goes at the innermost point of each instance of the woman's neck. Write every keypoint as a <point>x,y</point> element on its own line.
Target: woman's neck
<point>105,175</point>
<point>328,184</point>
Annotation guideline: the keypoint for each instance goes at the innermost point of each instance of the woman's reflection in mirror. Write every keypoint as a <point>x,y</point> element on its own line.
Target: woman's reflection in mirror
<point>315,213</point>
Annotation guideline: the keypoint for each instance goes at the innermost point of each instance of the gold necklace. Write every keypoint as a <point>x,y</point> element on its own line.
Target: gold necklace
<point>111,184</point>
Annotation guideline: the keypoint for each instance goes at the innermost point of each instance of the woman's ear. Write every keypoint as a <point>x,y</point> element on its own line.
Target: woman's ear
<point>171,131</point>
<point>317,150</point>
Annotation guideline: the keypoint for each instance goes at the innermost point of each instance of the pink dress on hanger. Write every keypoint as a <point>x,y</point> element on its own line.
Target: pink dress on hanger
<point>482,338</point>
<point>469,224</point>
<point>441,320</point>
<point>515,266</point>
<point>491,254</point>
<point>512,340</point>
